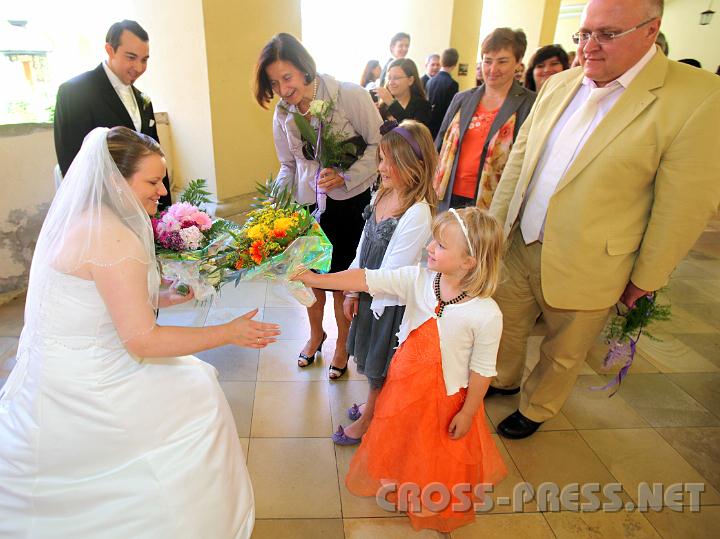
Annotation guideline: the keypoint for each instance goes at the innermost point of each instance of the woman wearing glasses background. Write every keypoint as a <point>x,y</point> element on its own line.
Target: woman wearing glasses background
<point>403,97</point>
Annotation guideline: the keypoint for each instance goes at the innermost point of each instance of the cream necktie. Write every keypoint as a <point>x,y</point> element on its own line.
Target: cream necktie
<point>128,99</point>
<point>533,218</point>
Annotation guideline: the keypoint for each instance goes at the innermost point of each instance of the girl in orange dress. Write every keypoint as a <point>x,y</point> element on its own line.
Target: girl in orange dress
<point>428,450</point>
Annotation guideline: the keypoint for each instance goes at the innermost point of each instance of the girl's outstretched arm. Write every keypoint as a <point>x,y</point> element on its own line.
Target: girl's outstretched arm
<point>353,279</point>
<point>477,387</point>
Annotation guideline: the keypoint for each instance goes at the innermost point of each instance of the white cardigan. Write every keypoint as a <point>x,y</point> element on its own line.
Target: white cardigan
<point>469,332</point>
<point>405,248</point>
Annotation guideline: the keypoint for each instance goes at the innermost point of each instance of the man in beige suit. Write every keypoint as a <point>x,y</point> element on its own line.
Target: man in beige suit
<point>611,180</point>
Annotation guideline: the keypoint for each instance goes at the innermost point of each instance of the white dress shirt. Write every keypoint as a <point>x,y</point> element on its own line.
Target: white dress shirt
<point>126,95</point>
<point>582,95</point>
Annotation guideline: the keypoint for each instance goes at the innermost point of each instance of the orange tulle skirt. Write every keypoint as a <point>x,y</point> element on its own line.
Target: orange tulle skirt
<point>408,443</point>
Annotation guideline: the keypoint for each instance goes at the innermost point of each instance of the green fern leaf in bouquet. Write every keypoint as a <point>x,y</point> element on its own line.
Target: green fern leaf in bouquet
<point>196,194</point>
<point>220,226</point>
<point>273,193</point>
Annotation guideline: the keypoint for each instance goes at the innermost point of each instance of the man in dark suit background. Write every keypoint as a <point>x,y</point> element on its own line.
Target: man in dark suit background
<point>442,88</point>
<point>432,66</point>
<point>106,96</point>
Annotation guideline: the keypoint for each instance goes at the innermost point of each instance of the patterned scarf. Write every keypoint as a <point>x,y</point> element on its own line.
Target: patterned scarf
<point>492,168</point>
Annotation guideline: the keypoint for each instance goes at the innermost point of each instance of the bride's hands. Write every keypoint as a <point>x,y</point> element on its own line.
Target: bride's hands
<point>171,296</point>
<point>244,331</point>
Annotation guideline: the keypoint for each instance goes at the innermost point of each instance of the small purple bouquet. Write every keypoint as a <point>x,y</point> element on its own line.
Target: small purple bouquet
<point>623,333</point>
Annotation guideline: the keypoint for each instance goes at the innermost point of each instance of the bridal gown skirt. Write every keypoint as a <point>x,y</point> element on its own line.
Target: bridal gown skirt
<point>96,443</point>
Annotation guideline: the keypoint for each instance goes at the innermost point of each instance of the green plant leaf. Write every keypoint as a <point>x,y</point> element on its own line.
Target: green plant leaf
<point>196,194</point>
<point>306,130</point>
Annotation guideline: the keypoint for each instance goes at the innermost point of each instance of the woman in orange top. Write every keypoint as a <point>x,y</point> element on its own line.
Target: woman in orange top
<point>481,124</point>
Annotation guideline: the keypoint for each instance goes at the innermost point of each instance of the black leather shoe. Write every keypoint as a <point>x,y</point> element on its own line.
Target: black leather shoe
<point>498,391</point>
<point>517,426</point>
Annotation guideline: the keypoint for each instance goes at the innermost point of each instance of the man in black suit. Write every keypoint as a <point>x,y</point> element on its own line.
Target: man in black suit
<point>106,96</point>
<point>442,88</point>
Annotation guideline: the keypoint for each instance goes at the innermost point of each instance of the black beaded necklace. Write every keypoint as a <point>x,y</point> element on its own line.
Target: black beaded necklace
<point>441,304</point>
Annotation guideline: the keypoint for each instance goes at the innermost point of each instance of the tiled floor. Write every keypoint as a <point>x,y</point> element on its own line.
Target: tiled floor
<point>662,427</point>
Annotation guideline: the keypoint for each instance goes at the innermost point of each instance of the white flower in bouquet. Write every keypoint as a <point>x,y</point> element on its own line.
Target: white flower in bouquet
<point>192,237</point>
<point>319,108</point>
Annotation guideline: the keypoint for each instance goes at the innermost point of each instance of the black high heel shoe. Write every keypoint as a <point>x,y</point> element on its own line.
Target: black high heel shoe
<point>311,359</point>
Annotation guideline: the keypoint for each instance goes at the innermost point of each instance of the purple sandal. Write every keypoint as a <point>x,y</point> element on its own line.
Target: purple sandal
<point>340,438</point>
<point>354,412</point>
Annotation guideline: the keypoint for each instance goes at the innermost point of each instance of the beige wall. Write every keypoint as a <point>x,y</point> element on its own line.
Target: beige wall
<point>177,82</point>
<point>536,17</point>
<point>242,131</point>
<point>568,23</point>
<point>686,37</point>
<point>27,159</point>
<point>465,34</point>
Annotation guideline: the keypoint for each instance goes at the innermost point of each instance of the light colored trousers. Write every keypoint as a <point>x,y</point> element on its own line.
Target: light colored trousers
<point>570,334</point>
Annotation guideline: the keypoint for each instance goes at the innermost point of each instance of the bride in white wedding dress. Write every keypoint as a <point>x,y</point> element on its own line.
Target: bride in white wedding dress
<point>107,428</point>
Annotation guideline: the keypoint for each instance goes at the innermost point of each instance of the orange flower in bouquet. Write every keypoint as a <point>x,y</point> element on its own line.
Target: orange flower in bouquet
<point>277,237</point>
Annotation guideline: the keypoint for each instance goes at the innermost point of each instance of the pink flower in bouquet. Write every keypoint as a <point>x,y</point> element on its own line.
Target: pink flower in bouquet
<point>181,227</point>
<point>172,240</point>
<point>182,211</point>
<point>192,237</point>
<point>202,220</point>
<point>167,223</point>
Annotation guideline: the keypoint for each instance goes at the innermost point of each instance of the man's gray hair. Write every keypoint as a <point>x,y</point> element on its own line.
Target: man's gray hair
<point>431,56</point>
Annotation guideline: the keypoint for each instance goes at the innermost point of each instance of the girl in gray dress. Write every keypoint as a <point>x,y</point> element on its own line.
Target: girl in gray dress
<point>397,228</point>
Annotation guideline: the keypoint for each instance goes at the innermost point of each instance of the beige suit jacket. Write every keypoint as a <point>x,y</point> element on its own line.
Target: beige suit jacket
<point>639,192</point>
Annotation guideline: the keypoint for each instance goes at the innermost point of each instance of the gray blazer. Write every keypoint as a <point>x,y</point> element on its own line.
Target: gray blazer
<point>519,99</point>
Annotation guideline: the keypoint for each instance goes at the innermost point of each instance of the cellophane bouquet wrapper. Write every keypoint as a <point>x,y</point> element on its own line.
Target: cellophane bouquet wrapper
<point>200,269</point>
<point>311,251</point>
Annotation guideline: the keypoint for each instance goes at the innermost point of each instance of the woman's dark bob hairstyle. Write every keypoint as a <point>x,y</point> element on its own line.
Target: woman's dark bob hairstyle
<point>283,47</point>
<point>541,55</point>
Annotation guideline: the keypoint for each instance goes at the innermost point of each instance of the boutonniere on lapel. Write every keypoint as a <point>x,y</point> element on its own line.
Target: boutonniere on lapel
<point>145,100</point>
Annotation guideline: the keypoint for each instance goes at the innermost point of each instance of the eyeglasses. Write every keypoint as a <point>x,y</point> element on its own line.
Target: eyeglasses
<point>605,37</point>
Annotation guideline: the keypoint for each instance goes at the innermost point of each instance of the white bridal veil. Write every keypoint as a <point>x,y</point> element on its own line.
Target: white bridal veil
<point>94,221</point>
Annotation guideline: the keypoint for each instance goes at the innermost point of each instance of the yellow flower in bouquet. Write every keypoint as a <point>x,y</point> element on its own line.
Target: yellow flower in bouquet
<point>268,231</point>
<point>283,223</point>
<point>278,237</point>
<point>257,232</point>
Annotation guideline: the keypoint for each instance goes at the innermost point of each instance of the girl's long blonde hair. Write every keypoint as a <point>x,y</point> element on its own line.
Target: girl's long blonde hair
<point>415,174</point>
<point>487,239</point>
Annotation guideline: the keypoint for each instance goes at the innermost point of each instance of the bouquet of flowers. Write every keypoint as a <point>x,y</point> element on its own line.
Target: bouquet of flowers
<point>623,333</point>
<point>279,236</point>
<point>327,145</point>
<point>190,245</point>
